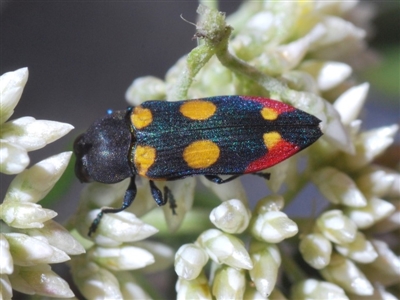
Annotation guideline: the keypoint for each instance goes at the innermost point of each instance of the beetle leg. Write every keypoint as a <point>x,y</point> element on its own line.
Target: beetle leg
<point>130,195</point>
<point>263,175</point>
<point>157,195</point>
<point>160,200</point>
<point>219,180</point>
<point>169,196</point>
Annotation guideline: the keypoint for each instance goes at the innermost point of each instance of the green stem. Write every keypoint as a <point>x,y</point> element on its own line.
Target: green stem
<point>195,60</point>
<point>292,270</point>
<point>272,85</point>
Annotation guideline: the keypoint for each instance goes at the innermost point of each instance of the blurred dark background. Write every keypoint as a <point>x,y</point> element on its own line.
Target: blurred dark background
<point>82,56</point>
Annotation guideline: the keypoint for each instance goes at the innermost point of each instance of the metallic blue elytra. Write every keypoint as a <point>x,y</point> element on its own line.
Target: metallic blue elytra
<point>212,136</point>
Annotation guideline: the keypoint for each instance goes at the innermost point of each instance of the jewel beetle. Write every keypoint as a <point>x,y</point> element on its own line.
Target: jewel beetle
<point>161,140</point>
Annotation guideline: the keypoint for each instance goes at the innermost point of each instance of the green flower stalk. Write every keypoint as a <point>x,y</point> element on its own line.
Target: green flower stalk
<point>29,239</point>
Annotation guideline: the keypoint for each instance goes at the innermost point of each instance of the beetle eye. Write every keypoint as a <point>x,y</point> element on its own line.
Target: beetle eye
<point>81,171</point>
<point>80,149</point>
<point>78,145</point>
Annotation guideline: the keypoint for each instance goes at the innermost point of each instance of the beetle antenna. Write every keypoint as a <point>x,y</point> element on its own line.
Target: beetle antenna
<point>195,25</point>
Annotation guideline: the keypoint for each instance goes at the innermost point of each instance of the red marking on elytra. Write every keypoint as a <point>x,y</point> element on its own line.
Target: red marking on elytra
<point>279,107</point>
<point>278,153</point>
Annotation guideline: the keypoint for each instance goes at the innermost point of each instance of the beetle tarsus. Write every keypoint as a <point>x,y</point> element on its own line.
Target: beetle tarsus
<point>130,195</point>
<point>169,196</point>
<point>219,180</point>
<point>95,223</point>
<point>266,176</point>
<point>157,195</point>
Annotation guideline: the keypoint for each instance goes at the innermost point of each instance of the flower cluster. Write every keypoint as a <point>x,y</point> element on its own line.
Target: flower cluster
<point>117,247</point>
<point>29,239</point>
<point>301,53</point>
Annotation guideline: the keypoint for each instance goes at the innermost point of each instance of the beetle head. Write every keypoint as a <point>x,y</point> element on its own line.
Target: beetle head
<point>102,153</point>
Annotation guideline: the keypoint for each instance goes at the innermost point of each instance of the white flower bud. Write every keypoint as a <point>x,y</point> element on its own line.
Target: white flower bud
<point>350,103</point>
<point>338,30</point>
<point>145,88</point>
<point>118,228</point>
<point>101,194</point>
<point>314,289</point>
<point>376,210</point>
<point>189,261</point>
<point>390,223</point>
<point>40,280</point>
<point>266,260</point>
<point>286,57</point>
<point>33,184</point>
<point>6,261</point>
<point>345,273</point>
<point>95,282</point>
<point>57,236</point>
<point>251,293</point>
<point>228,283</point>
<point>337,227</point>
<point>11,86</point>
<point>273,227</point>
<point>369,145</point>
<point>231,216</point>
<point>333,129</point>
<point>224,248</point>
<point>122,258</point>
<point>385,269</point>
<point>316,250</point>
<point>379,182</point>
<point>197,288</point>
<point>380,294</point>
<point>163,255</point>
<point>269,203</point>
<point>25,215</point>
<point>335,8</point>
<point>354,127</point>
<point>327,74</point>
<point>33,134</point>
<point>229,190</point>
<point>183,195</point>
<point>130,289</point>
<point>338,187</point>
<point>360,250</point>
<point>336,133</point>
<point>5,287</point>
<point>13,159</point>
<point>28,251</point>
